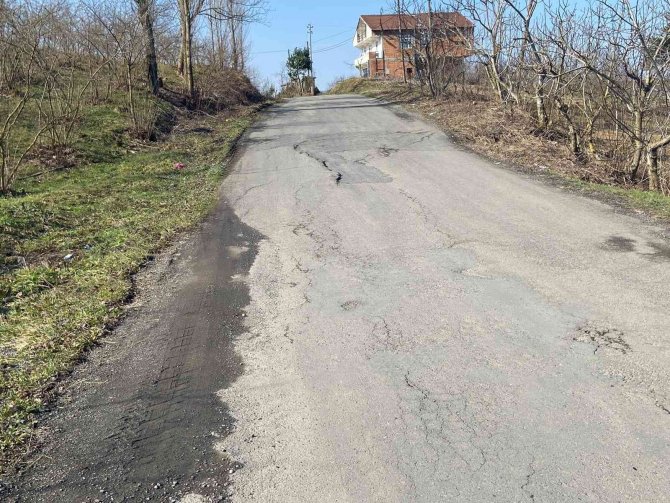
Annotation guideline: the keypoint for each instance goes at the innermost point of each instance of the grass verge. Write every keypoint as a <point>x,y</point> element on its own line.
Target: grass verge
<point>71,241</point>
<point>488,129</point>
<point>651,203</point>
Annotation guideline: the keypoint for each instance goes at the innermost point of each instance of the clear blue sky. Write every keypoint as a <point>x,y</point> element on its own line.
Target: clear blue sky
<point>334,22</point>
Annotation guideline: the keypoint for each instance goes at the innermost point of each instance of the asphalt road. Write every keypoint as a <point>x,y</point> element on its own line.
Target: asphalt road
<point>427,326</point>
<point>374,314</point>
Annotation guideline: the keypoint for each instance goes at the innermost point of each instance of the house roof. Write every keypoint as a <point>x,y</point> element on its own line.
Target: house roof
<point>384,22</point>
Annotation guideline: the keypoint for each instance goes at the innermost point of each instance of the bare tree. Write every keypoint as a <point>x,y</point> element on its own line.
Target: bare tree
<point>122,26</point>
<point>493,43</point>
<point>232,17</point>
<point>145,11</point>
<point>627,51</point>
<point>189,10</point>
<point>23,36</point>
<point>236,13</point>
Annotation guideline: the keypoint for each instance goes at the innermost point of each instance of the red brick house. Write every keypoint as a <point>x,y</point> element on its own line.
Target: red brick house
<point>388,41</point>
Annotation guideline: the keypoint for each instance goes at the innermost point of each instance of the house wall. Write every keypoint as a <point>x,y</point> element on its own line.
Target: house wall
<point>385,59</point>
<point>394,57</point>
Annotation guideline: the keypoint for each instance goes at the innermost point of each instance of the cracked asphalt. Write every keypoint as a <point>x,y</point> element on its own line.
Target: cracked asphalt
<point>374,314</point>
<point>426,326</point>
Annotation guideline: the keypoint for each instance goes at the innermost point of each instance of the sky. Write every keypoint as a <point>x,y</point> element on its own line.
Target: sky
<point>334,23</point>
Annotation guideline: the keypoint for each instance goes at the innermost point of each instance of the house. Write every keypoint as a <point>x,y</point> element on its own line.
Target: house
<point>392,44</point>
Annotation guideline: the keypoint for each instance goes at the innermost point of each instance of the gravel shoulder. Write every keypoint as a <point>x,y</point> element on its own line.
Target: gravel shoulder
<point>139,417</point>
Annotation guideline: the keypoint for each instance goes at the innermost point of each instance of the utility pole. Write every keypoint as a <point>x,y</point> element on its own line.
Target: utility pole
<point>310,30</point>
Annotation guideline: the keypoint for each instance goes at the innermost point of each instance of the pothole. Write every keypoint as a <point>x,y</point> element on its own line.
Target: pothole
<point>602,337</point>
<point>350,305</point>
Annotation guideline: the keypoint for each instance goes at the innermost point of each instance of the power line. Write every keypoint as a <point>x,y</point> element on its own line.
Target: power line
<point>322,49</point>
<point>332,36</point>
<point>268,52</point>
<point>335,46</point>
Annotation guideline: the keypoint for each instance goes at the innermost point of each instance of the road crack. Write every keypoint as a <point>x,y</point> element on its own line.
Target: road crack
<point>443,423</point>
<point>428,219</point>
<point>246,192</point>
<point>531,473</point>
<point>323,162</point>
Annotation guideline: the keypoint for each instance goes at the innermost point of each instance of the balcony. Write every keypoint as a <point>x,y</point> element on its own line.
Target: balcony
<point>361,40</point>
<point>362,61</point>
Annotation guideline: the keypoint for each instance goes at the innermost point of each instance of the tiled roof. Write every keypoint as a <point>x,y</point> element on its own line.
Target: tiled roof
<point>410,22</point>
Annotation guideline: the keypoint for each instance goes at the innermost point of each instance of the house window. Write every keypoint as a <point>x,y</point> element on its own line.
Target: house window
<point>406,41</point>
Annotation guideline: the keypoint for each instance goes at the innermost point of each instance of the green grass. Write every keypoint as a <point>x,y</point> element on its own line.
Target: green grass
<point>652,203</point>
<point>101,134</point>
<point>110,213</point>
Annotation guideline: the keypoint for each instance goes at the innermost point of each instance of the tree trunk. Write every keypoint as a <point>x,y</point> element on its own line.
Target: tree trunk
<point>637,145</point>
<point>186,17</point>
<point>542,118</point>
<point>241,58</point>
<point>131,98</point>
<point>494,78</point>
<point>429,55</point>
<point>588,136</point>
<point>575,144</point>
<point>234,35</point>
<point>180,61</point>
<point>188,58</point>
<point>652,162</point>
<point>233,47</point>
<point>652,169</point>
<point>402,51</point>
<point>144,12</point>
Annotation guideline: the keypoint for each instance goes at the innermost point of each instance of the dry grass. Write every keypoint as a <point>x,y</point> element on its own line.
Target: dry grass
<point>510,136</point>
